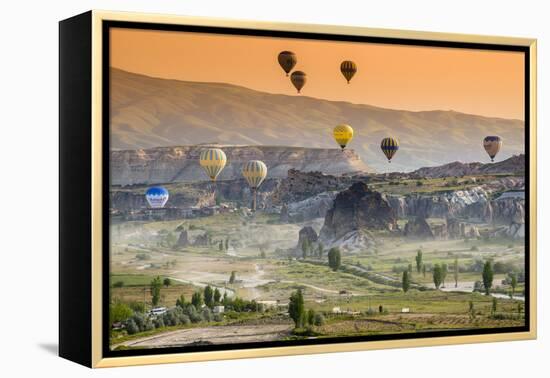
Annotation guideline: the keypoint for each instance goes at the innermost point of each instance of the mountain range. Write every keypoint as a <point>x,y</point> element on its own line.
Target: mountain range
<point>149,112</point>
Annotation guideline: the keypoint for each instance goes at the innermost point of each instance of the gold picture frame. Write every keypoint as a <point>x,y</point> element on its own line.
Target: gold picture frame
<point>92,25</point>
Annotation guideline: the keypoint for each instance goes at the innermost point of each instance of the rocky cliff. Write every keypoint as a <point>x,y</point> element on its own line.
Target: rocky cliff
<point>481,203</point>
<point>163,165</point>
<point>512,165</point>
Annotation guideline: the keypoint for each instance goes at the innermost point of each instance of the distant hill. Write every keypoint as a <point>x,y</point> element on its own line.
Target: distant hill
<point>181,164</point>
<point>515,164</point>
<point>150,112</point>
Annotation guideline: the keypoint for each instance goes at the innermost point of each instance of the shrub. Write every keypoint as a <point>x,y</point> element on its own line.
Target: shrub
<point>206,314</point>
<point>218,317</point>
<point>137,306</point>
<point>184,319</point>
<point>131,327</point>
<point>170,318</point>
<point>139,320</point>
<point>319,319</point>
<point>143,256</point>
<point>474,248</point>
<point>149,325</point>
<point>159,322</point>
<point>118,284</point>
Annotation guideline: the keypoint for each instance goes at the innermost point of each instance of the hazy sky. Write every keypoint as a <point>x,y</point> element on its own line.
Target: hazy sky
<point>399,77</point>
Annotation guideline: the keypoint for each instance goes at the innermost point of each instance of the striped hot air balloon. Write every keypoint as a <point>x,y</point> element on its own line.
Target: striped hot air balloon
<point>212,160</point>
<point>156,196</point>
<point>254,171</point>
<point>348,69</point>
<point>389,147</point>
<point>343,134</point>
<point>492,145</point>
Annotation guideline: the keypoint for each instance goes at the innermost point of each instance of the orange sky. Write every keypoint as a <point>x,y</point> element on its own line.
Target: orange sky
<point>399,77</point>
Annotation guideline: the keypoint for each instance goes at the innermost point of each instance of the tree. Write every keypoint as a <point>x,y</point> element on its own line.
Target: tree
<point>220,245</point>
<point>233,277</point>
<point>156,285</point>
<point>334,258</point>
<point>305,248</point>
<point>487,277</point>
<point>167,282</point>
<point>196,299</point>
<point>418,259</point>
<point>406,282</point>
<point>513,283</point>
<point>444,271</point>
<point>227,244</point>
<point>455,271</point>
<point>494,306</point>
<point>437,276</point>
<point>410,269</point>
<point>296,308</point>
<point>311,316</point>
<point>217,295</point>
<point>208,296</point>
<point>424,270</point>
<point>180,302</point>
<point>320,250</point>
<point>119,312</point>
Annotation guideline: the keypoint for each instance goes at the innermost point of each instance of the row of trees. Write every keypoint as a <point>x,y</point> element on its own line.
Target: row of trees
<point>298,313</point>
<point>439,274</point>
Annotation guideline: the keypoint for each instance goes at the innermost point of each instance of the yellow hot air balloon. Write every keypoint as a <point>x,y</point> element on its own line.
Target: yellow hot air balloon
<point>298,79</point>
<point>348,69</point>
<point>254,171</point>
<point>492,145</point>
<point>212,160</point>
<point>389,147</point>
<point>342,135</point>
<point>287,61</point>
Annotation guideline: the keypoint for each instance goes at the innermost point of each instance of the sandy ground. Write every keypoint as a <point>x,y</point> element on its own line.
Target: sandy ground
<point>214,335</point>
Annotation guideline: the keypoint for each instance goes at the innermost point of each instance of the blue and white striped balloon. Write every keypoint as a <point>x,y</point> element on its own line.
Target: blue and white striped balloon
<point>157,196</point>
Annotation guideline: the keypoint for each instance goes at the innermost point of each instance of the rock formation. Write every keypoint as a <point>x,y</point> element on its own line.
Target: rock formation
<point>455,228</point>
<point>307,235</point>
<point>357,208</point>
<point>298,186</point>
<point>418,228</point>
<point>163,165</point>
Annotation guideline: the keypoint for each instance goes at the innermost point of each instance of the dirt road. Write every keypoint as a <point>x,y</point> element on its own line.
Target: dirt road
<point>214,335</point>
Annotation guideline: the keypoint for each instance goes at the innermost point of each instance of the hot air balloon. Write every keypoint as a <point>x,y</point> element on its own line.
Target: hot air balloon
<point>298,79</point>
<point>492,145</point>
<point>348,69</point>
<point>254,171</point>
<point>287,60</point>
<point>389,147</point>
<point>212,160</point>
<point>342,135</point>
<point>156,196</point>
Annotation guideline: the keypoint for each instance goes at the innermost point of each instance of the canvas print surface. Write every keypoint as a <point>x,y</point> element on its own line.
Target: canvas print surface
<point>270,189</point>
